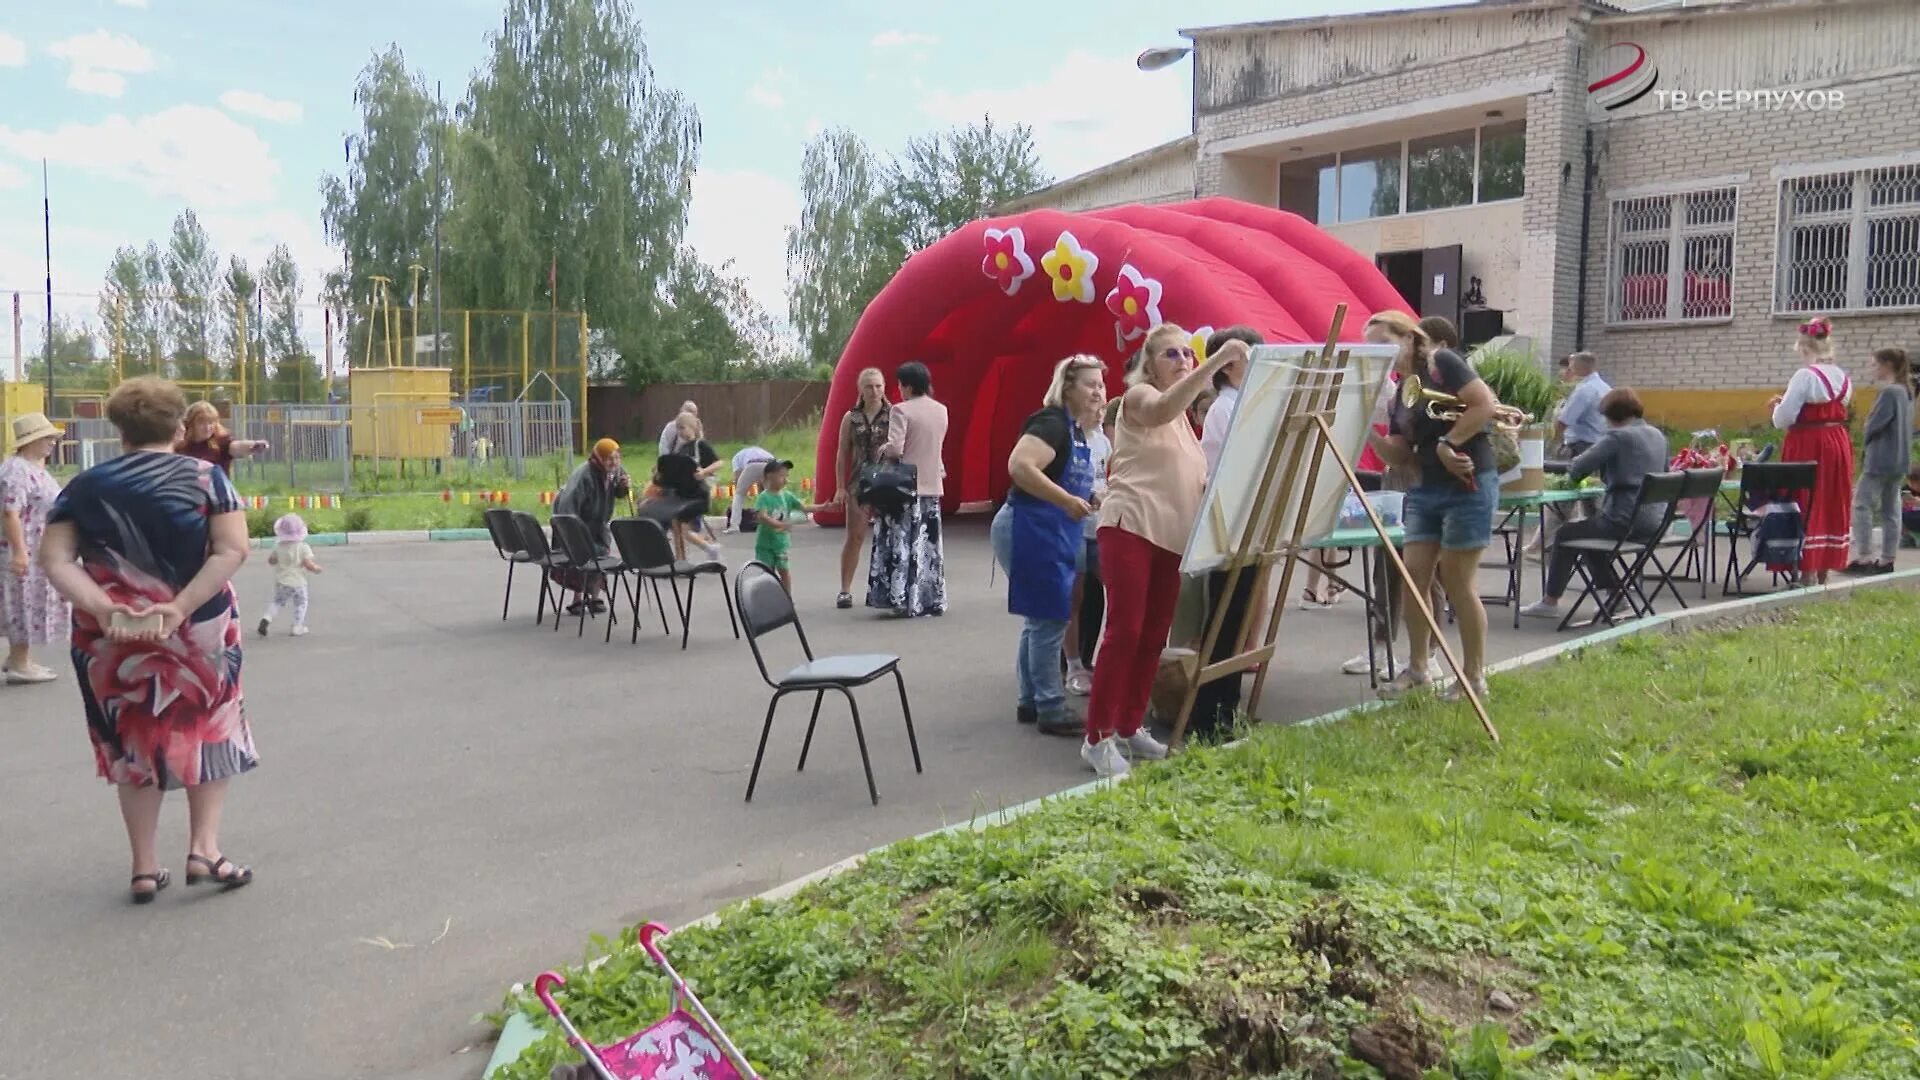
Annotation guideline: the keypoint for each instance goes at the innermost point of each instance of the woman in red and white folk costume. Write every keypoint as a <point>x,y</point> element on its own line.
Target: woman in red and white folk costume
<point>1813,413</point>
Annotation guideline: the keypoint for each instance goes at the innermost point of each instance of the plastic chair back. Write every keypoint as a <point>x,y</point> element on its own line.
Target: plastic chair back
<point>571,534</point>
<point>765,607</point>
<point>533,538</point>
<point>642,544</point>
<point>505,534</point>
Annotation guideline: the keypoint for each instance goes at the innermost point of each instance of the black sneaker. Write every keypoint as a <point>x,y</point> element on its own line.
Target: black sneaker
<point>1025,714</point>
<point>843,601</point>
<point>1066,722</point>
<point>264,624</point>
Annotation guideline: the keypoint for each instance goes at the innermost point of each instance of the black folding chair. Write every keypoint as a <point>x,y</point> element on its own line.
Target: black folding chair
<point>766,607</point>
<point>1689,547</point>
<point>509,546</point>
<point>576,542</point>
<point>1625,555</point>
<point>1762,482</point>
<point>646,551</point>
<point>533,540</point>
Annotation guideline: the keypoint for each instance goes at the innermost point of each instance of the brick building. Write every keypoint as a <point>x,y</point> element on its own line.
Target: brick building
<point>1741,165</point>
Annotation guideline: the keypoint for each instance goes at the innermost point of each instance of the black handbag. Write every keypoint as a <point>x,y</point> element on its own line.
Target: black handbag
<point>887,488</point>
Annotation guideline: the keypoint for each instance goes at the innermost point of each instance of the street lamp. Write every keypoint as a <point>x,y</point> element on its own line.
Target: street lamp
<point>1161,57</point>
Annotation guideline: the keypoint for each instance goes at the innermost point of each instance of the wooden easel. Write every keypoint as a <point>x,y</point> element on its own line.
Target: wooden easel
<point>1305,435</point>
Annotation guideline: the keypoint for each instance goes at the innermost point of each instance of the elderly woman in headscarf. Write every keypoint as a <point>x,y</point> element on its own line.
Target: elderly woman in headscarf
<point>590,494</point>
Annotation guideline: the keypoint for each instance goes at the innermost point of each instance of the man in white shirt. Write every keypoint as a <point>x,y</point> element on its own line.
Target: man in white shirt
<point>1580,424</point>
<point>670,435</point>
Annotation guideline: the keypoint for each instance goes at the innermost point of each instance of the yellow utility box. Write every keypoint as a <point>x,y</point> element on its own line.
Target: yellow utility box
<point>403,413</point>
<point>17,399</point>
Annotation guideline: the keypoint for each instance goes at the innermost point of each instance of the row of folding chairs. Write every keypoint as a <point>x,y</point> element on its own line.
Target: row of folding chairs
<point>1669,555</point>
<point>570,565</point>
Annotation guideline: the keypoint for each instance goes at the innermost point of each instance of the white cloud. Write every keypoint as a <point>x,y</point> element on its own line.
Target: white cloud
<point>131,3</point>
<point>100,62</point>
<point>13,51</point>
<point>1088,111</point>
<point>252,235</point>
<point>197,154</point>
<point>252,103</point>
<point>743,215</point>
<point>896,39</point>
<point>11,177</point>
<point>766,90</point>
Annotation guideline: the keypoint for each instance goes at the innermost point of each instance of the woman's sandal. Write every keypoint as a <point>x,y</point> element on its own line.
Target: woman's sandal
<point>161,879</point>
<point>241,875</point>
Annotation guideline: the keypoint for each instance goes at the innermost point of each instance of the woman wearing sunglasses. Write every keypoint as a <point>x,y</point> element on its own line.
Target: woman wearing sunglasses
<point>1156,478</point>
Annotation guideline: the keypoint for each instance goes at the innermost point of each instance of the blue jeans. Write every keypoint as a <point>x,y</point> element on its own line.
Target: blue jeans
<point>1453,517</point>
<point>1038,666</point>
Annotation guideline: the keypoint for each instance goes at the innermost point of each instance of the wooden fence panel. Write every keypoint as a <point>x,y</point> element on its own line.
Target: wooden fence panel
<point>730,411</point>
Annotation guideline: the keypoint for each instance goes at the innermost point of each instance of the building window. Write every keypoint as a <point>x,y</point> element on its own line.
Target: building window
<point>1478,165</point>
<point>1503,161</point>
<point>1850,241</point>
<point>1671,257</point>
<point>1440,171</point>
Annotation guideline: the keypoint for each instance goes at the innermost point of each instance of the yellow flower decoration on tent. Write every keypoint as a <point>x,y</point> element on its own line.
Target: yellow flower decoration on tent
<point>1071,267</point>
<point>1199,343</point>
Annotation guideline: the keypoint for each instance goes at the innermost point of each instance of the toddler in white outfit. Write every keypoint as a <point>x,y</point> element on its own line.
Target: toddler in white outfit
<point>291,560</point>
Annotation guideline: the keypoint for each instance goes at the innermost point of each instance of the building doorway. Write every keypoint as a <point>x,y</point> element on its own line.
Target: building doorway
<point>1427,279</point>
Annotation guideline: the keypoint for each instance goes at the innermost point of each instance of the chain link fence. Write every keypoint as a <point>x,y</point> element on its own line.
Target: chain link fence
<point>310,448</point>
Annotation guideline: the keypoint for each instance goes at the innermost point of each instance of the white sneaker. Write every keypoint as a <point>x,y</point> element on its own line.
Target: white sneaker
<point>1144,746</point>
<point>1104,758</point>
<point>30,676</point>
<point>1079,682</point>
<point>300,631</point>
<point>1540,609</point>
<point>1360,665</point>
<point>714,552</point>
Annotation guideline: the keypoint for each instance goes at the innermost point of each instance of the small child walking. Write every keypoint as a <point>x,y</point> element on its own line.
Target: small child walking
<point>1884,464</point>
<point>778,509</point>
<point>291,560</point>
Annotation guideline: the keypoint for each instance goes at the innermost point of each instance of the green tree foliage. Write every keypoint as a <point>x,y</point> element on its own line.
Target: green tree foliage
<point>131,316</point>
<point>79,364</point>
<point>843,249</point>
<point>235,313</point>
<point>571,160</point>
<point>380,213</point>
<point>192,275</point>
<point>294,374</point>
<point>861,215</point>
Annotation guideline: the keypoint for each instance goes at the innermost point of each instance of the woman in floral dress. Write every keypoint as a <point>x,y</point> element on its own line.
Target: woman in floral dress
<point>31,613</point>
<point>145,546</point>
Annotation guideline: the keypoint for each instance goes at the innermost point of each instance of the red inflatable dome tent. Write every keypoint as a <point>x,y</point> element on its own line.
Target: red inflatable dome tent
<point>993,307</point>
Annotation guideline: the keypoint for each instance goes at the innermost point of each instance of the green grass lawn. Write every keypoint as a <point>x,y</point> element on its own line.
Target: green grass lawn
<point>1692,856</point>
<point>390,501</point>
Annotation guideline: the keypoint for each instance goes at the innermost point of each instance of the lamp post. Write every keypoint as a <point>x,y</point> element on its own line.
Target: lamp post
<point>1163,56</point>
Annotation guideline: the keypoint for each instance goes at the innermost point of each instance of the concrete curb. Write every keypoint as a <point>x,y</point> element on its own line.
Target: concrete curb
<point>382,539</point>
<point>519,1032</point>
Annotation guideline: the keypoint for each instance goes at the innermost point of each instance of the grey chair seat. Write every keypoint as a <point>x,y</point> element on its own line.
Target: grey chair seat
<point>683,568</point>
<point>1601,545</point>
<point>851,670</point>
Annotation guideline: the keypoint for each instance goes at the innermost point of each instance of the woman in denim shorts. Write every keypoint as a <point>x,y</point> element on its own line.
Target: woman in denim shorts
<point>1448,514</point>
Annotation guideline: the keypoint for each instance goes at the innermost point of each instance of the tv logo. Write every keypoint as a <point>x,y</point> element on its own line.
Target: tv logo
<point>1624,76</point>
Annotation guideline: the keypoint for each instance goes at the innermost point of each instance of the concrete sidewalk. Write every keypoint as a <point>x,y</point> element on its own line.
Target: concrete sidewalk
<point>449,803</point>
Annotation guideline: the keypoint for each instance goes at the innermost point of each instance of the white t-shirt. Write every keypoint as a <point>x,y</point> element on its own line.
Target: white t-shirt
<point>1213,430</point>
<point>1098,451</point>
<point>287,559</point>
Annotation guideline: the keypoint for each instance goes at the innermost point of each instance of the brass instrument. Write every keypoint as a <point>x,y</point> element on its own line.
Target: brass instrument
<point>1446,408</point>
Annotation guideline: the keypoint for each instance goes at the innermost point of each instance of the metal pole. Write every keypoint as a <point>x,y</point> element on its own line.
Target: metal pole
<point>19,372</point>
<point>46,221</point>
<point>439,131</point>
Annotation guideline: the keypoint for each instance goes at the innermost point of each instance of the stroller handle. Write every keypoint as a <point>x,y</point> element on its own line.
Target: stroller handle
<point>543,989</point>
<point>647,933</point>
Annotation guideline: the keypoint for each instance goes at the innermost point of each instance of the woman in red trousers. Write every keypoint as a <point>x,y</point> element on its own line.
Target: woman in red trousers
<point>1813,413</point>
<point>1155,481</point>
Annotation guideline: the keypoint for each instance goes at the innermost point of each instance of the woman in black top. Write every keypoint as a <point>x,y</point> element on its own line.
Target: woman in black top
<point>1448,513</point>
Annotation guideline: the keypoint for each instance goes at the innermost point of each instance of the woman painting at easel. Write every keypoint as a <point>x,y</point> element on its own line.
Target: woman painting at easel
<point>1449,511</point>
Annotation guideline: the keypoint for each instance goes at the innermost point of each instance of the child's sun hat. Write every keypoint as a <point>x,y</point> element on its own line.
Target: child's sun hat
<point>291,528</point>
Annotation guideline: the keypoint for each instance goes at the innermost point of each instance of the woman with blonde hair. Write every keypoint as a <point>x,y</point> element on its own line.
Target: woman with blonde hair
<point>1813,413</point>
<point>1448,513</point>
<point>1038,537</point>
<point>1155,481</point>
<point>863,431</point>
<point>207,438</point>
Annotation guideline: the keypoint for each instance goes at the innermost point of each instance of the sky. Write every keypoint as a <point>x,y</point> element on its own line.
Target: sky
<point>236,109</point>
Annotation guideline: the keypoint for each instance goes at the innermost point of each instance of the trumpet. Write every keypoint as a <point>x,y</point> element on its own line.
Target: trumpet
<point>1446,408</point>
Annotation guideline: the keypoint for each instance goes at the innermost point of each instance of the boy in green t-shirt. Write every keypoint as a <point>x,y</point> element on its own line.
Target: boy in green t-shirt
<point>778,509</point>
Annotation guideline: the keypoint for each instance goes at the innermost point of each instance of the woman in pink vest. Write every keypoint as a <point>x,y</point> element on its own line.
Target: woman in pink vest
<point>1155,481</point>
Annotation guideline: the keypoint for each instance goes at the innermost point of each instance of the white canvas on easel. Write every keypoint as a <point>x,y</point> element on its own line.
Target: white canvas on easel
<point>1274,374</point>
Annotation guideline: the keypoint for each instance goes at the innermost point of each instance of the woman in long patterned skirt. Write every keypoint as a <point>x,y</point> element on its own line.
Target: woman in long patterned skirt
<point>907,573</point>
<point>1813,413</point>
<point>145,546</point>
<point>32,615</point>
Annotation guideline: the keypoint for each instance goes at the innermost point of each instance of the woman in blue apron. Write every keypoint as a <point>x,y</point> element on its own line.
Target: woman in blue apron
<point>1038,535</point>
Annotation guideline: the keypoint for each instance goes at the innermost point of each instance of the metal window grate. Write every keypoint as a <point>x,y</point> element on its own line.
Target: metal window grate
<point>1672,256</point>
<point>1850,241</point>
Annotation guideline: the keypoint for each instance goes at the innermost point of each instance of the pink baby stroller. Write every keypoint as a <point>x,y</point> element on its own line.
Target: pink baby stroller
<point>677,1047</point>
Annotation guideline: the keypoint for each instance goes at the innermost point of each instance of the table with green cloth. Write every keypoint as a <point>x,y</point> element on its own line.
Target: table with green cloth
<point>1511,527</point>
<point>1366,542</point>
